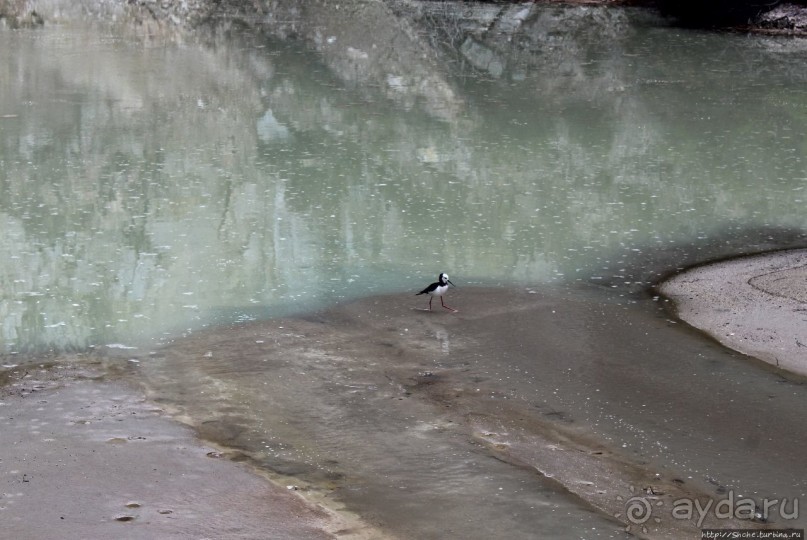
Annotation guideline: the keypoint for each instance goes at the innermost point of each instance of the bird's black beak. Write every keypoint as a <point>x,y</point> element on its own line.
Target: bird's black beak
<point>450,282</point>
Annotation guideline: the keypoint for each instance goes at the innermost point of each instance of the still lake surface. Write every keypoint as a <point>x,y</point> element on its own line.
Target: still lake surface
<point>152,190</point>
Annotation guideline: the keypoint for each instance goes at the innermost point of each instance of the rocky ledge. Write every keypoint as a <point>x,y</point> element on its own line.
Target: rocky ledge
<point>776,16</point>
<point>786,18</point>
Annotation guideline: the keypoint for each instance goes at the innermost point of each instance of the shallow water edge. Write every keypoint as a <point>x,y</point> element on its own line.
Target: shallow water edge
<point>586,396</point>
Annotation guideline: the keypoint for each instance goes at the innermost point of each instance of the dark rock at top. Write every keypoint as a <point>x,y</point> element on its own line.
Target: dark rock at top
<point>724,13</point>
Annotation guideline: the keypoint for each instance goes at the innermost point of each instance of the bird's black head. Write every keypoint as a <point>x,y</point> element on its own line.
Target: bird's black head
<point>443,279</point>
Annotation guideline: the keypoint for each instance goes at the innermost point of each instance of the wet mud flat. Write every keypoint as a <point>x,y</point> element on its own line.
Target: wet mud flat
<point>560,412</point>
<point>84,456</point>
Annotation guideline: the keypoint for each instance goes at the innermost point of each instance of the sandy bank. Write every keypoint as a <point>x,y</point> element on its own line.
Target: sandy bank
<point>86,458</point>
<point>756,305</point>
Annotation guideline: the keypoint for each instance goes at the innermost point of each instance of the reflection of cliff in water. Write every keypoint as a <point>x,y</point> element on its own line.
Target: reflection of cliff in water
<point>303,155</point>
<point>418,52</point>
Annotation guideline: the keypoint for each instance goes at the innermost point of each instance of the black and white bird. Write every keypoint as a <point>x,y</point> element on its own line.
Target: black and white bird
<point>438,288</point>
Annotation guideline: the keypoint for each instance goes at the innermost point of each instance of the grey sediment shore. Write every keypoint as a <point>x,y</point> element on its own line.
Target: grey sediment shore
<point>756,305</point>
<point>84,456</point>
<point>604,399</point>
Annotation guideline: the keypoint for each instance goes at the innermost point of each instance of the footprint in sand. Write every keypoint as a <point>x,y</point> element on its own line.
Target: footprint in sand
<point>123,518</point>
<point>116,440</point>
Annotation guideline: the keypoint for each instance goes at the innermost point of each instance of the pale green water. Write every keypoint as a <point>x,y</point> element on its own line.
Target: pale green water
<point>149,189</point>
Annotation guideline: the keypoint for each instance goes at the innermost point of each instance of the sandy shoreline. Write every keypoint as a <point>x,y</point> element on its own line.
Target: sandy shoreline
<point>756,305</point>
<point>84,457</point>
<point>87,455</point>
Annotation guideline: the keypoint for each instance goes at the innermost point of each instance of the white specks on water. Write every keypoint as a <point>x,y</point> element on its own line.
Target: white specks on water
<point>56,325</point>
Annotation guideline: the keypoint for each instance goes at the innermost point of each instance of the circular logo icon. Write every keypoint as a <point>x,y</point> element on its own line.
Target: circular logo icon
<point>638,510</point>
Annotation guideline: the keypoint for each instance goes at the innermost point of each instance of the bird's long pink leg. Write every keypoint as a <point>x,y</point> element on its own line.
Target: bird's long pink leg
<point>447,307</point>
<point>430,302</point>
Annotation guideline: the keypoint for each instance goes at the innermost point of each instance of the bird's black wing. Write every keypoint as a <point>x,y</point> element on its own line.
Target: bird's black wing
<point>428,289</point>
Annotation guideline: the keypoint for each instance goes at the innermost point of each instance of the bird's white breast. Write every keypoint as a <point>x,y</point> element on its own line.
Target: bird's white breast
<point>440,290</point>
